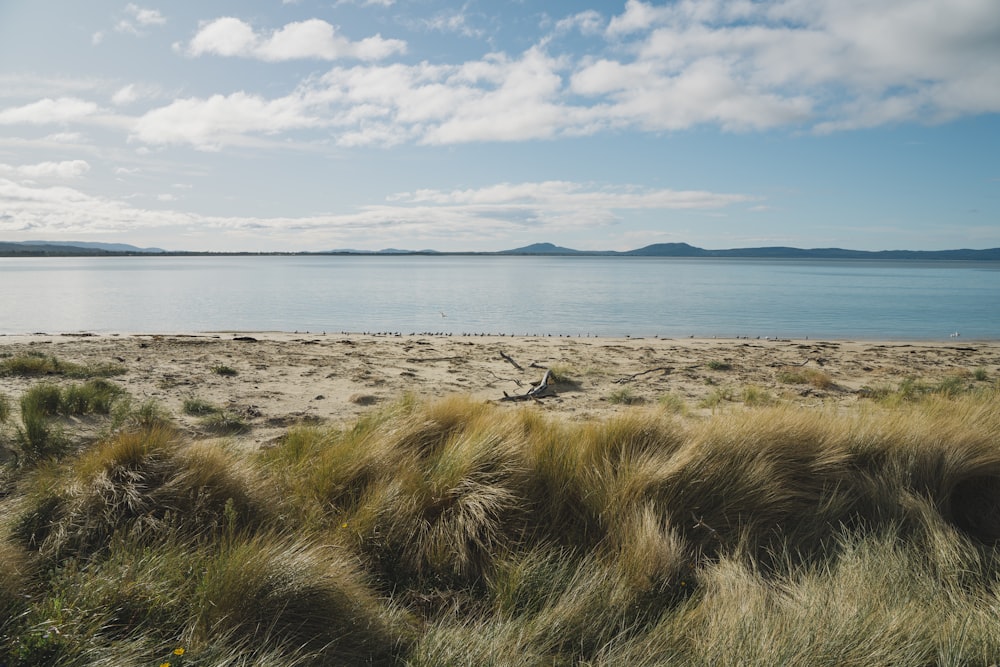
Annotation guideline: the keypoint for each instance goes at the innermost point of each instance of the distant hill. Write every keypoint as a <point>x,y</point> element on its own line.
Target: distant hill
<point>91,245</point>
<point>773,252</point>
<point>542,249</point>
<point>85,248</point>
<point>781,252</point>
<point>8,249</point>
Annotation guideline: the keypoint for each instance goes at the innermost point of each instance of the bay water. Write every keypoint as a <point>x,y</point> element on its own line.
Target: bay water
<point>515,295</point>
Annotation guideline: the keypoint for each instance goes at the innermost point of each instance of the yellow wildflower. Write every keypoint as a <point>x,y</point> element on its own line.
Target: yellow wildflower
<point>179,650</point>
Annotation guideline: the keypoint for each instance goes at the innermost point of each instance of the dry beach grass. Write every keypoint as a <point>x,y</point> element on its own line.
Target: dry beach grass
<point>675,502</point>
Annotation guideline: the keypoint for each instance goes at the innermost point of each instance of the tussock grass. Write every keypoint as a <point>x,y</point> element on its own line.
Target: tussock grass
<point>39,364</point>
<point>455,532</point>
<point>811,376</point>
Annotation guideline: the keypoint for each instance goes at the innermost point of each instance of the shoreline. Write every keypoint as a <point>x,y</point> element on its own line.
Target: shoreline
<point>280,379</point>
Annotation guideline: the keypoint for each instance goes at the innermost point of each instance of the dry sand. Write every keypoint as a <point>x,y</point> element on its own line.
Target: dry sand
<point>283,379</point>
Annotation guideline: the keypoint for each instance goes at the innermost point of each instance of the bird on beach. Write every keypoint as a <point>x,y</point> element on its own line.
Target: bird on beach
<point>954,335</point>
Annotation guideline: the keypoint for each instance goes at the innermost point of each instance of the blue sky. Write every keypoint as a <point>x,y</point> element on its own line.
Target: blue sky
<point>278,125</point>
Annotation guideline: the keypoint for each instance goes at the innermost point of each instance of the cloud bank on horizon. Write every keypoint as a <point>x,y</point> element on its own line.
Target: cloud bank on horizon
<point>870,124</point>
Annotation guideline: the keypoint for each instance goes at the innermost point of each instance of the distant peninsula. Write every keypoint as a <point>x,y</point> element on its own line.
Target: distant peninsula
<point>679,250</point>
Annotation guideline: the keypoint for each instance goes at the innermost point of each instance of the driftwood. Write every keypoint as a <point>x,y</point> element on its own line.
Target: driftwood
<point>540,390</point>
<point>503,379</point>
<point>509,360</point>
<point>666,371</point>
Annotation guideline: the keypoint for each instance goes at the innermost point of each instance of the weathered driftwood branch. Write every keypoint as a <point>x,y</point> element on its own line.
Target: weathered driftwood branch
<point>508,359</point>
<point>503,379</point>
<point>666,370</point>
<point>540,390</point>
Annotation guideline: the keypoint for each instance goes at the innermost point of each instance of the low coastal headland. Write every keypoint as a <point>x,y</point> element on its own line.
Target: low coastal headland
<point>298,499</point>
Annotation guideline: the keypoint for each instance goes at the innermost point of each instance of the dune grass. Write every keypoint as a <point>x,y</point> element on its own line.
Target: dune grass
<point>457,532</point>
<point>37,364</point>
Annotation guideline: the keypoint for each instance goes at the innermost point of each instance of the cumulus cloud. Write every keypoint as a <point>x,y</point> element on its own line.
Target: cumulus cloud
<point>824,66</point>
<point>313,39</point>
<point>219,120</point>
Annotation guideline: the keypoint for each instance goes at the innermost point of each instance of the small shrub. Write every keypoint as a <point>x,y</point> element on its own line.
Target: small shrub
<point>811,376</point>
<point>717,397</point>
<point>951,387</point>
<point>624,396</point>
<point>197,407</point>
<point>225,371</point>
<point>93,397</point>
<point>673,403</point>
<point>755,396</point>
<point>223,422</point>
<point>42,399</point>
<point>716,365</point>
<point>148,414</point>
<point>980,374</point>
<point>36,438</point>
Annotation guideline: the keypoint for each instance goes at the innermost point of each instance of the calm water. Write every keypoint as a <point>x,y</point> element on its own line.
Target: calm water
<point>511,295</point>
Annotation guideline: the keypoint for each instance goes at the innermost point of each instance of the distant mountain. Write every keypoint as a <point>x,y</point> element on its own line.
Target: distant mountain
<point>542,249</point>
<point>91,245</point>
<point>775,252</point>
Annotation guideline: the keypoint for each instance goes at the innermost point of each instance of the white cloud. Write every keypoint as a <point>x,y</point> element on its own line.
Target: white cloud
<point>138,18</point>
<point>48,110</point>
<point>65,137</point>
<point>825,66</point>
<point>456,22</point>
<point>497,210</point>
<point>125,95</point>
<point>145,16</point>
<point>588,22</point>
<point>219,120</point>
<point>226,36</point>
<point>842,63</point>
<point>313,38</point>
<point>66,169</point>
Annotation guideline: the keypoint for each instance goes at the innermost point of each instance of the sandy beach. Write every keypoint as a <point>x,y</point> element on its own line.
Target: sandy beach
<point>276,380</point>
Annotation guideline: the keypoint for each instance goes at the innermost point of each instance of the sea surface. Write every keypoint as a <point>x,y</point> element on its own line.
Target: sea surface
<point>576,296</point>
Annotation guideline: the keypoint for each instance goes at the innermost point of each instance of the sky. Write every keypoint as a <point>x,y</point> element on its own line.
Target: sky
<point>280,125</point>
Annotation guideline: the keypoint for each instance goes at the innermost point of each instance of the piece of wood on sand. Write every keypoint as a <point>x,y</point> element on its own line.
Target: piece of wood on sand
<point>540,390</point>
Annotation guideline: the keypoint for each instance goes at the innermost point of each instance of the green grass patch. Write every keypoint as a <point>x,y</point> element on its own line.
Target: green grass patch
<point>625,396</point>
<point>198,407</point>
<point>224,422</point>
<point>225,371</point>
